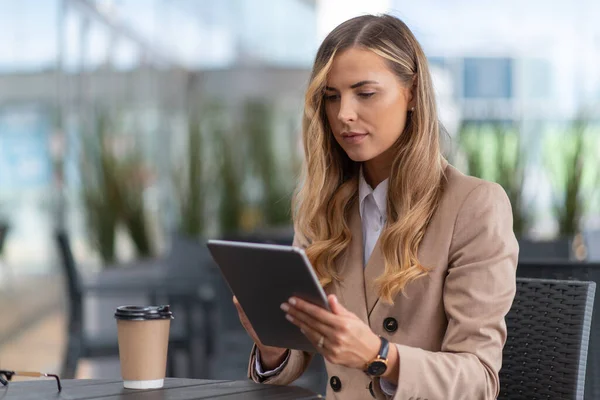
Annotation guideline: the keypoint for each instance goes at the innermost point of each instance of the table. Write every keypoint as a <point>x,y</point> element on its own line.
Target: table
<point>174,389</point>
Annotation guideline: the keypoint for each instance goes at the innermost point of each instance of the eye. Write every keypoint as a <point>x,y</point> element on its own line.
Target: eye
<point>331,97</point>
<point>366,95</point>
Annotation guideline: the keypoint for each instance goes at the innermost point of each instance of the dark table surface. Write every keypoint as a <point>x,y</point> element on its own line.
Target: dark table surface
<point>174,389</point>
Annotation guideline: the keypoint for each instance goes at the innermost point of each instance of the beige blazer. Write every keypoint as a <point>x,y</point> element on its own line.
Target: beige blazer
<point>450,327</point>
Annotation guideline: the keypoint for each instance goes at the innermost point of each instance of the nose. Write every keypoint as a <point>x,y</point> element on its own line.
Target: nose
<point>347,113</point>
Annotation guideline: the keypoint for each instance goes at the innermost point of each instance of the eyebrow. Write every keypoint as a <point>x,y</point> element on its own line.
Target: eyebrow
<point>356,85</point>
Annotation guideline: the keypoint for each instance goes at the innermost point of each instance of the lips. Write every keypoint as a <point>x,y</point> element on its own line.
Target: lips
<point>353,134</point>
<point>353,137</point>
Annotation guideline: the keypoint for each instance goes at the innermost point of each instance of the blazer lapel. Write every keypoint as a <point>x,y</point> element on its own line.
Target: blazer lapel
<point>358,280</point>
<point>375,267</point>
<point>375,264</point>
<point>351,269</point>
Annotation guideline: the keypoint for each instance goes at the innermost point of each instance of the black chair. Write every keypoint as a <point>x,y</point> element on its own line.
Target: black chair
<point>580,271</point>
<point>192,271</point>
<point>546,350</point>
<point>82,345</point>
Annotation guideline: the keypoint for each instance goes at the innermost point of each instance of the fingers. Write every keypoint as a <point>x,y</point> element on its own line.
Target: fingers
<point>335,305</point>
<point>317,313</point>
<point>305,321</point>
<point>314,336</point>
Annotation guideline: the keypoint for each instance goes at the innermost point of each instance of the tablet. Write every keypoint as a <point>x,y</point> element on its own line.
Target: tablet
<point>262,276</point>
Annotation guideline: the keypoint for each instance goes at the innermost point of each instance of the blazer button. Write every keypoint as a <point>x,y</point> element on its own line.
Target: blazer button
<point>371,390</point>
<point>390,324</point>
<point>335,383</point>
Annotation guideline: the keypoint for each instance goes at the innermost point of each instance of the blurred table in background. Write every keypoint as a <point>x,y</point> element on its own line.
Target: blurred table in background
<point>186,273</point>
<point>182,279</point>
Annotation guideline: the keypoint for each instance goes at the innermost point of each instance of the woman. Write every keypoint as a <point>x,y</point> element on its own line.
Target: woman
<point>418,260</point>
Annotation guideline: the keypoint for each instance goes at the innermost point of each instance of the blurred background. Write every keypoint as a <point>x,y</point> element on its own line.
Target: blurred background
<point>132,130</point>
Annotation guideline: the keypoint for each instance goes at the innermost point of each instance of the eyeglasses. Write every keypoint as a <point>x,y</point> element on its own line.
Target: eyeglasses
<point>6,376</point>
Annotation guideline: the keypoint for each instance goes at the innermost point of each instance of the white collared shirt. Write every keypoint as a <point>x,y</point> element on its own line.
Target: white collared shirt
<point>373,212</point>
<point>373,216</point>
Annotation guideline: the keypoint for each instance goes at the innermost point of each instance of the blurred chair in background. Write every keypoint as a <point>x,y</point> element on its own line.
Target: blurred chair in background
<point>3,234</point>
<point>156,281</point>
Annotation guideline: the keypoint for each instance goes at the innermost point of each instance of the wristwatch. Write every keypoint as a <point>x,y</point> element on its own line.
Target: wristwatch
<point>378,366</point>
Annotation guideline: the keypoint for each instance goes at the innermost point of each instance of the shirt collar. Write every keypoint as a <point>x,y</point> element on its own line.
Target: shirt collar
<point>379,194</point>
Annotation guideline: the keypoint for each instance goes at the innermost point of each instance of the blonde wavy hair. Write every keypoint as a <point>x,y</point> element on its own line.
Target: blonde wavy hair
<point>328,190</point>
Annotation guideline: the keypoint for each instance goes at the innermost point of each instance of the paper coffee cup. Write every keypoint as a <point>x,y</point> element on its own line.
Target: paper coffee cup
<point>143,334</point>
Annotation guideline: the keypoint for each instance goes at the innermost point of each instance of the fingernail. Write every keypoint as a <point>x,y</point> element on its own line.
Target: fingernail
<point>289,318</point>
<point>302,330</point>
<point>292,301</point>
<point>284,307</point>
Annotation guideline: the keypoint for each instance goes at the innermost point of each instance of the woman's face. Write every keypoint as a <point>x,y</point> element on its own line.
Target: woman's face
<point>366,104</point>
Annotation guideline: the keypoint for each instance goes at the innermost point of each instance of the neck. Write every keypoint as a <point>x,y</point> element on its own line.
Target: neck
<point>376,171</point>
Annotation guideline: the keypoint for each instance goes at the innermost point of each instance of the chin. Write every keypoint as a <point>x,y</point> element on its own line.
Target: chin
<point>359,156</point>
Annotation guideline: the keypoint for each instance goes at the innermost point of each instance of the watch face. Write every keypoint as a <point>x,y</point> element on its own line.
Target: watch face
<point>377,368</point>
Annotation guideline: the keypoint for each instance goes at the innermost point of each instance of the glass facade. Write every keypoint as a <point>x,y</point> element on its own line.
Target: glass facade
<point>487,78</point>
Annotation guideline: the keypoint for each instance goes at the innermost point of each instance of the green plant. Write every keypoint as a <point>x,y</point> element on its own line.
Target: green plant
<point>276,202</point>
<point>230,211</point>
<point>471,142</point>
<point>494,151</point>
<point>133,211</point>
<point>100,189</point>
<point>112,190</point>
<point>510,162</point>
<point>188,183</point>
<point>568,170</point>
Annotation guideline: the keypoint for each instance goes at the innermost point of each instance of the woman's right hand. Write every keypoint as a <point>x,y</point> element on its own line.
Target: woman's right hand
<point>270,357</point>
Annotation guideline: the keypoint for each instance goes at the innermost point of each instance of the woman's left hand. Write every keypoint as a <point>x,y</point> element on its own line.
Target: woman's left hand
<point>345,339</point>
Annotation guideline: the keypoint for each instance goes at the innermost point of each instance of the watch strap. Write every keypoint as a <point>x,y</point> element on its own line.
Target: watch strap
<point>384,348</point>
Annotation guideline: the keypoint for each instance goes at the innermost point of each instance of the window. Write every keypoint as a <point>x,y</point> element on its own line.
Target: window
<point>488,78</point>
